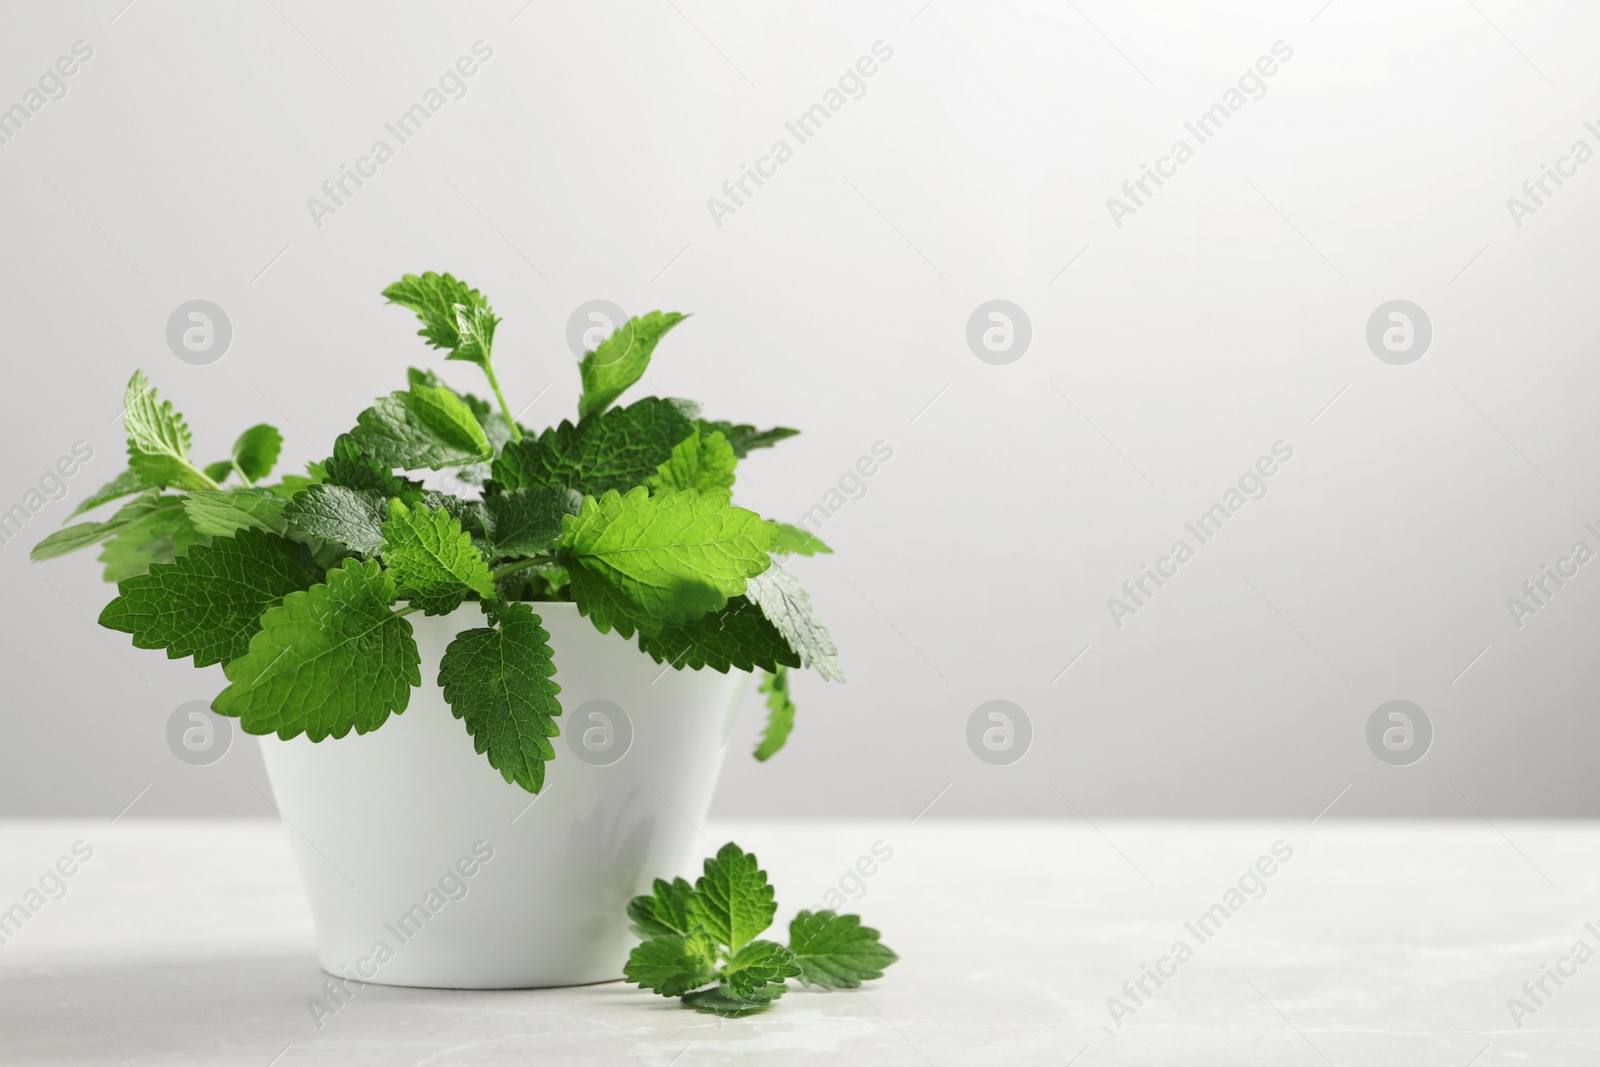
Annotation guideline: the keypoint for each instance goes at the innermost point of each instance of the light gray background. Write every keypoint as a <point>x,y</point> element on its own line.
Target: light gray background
<point>1167,355</point>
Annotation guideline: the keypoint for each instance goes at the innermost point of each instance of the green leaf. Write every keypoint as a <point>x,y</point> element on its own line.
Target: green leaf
<point>836,951</point>
<point>124,484</point>
<point>351,517</point>
<point>158,438</point>
<point>219,471</point>
<point>733,900</point>
<point>664,911</point>
<point>159,533</point>
<point>645,562</point>
<point>256,451</point>
<point>435,298</point>
<point>84,534</point>
<point>780,714</point>
<point>621,359</point>
<point>475,327</point>
<point>616,451</point>
<point>499,682</point>
<point>326,661</point>
<point>794,541</point>
<point>527,521</point>
<point>756,966</point>
<point>426,427</point>
<point>208,602</point>
<point>672,964</point>
<point>433,560</point>
<point>352,468</point>
<point>788,606</point>
<point>699,461</point>
<point>738,637</point>
<point>744,438</point>
<point>221,513</point>
<point>720,1000</point>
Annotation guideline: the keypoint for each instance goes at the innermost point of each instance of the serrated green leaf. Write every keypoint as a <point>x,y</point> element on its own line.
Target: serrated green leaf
<point>124,484</point>
<point>221,513</point>
<point>720,1000</point>
<point>351,517</point>
<point>433,560</point>
<point>733,899</point>
<point>672,964</point>
<point>621,359</point>
<point>255,453</point>
<point>352,468</point>
<point>158,438</point>
<point>498,681</point>
<point>615,451</point>
<point>475,328</point>
<point>794,541</point>
<point>646,562</point>
<point>208,602</point>
<point>744,438</point>
<point>787,605</point>
<point>84,534</point>
<point>527,521</point>
<point>158,534</point>
<point>699,461</point>
<point>435,298</point>
<point>739,636</point>
<point>664,911</point>
<point>326,661</point>
<point>427,426</point>
<point>757,965</point>
<point>780,714</point>
<point>836,951</point>
<point>473,515</point>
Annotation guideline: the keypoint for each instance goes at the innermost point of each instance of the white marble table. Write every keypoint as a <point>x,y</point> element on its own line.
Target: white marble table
<point>1373,943</point>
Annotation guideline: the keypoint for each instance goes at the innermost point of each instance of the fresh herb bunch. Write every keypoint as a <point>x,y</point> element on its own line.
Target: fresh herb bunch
<point>300,588</point>
<point>702,943</point>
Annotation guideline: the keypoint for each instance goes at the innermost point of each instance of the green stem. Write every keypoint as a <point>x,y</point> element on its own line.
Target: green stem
<point>505,409</point>
<point>202,475</point>
<point>243,477</point>
<point>520,565</point>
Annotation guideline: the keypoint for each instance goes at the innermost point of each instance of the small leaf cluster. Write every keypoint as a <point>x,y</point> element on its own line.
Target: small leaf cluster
<point>301,588</point>
<point>702,942</point>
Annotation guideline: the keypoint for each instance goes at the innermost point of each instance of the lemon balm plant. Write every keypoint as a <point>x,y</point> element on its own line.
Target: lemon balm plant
<point>302,588</point>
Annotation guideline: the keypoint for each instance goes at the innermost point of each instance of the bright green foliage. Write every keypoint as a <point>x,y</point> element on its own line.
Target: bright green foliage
<point>208,602</point>
<point>621,360</point>
<point>794,541</point>
<point>326,661</point>
<point>699,461</point>
<point>612,452</point>
<point>694,937</point>
<point>158,439</point>
<point>160,534</point>
<point>664,911</point>
<point>787,606</point>
<point>527,521</point>
<point>733,899</point>
<point>255,453</point>
<point>351,517</point>
<point>424,427</point>
<point>646,562</point>
<point>836,951</point>
<point>124,484</point>
<point>436,299</point>
<point>432,559</point>
<point>739,637</point>
<point>498,680</point>
<point>780,714</point>
<point>221,513</point>
<point>744,438</point>
<point>84,534</point>
<point>353,468</point>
